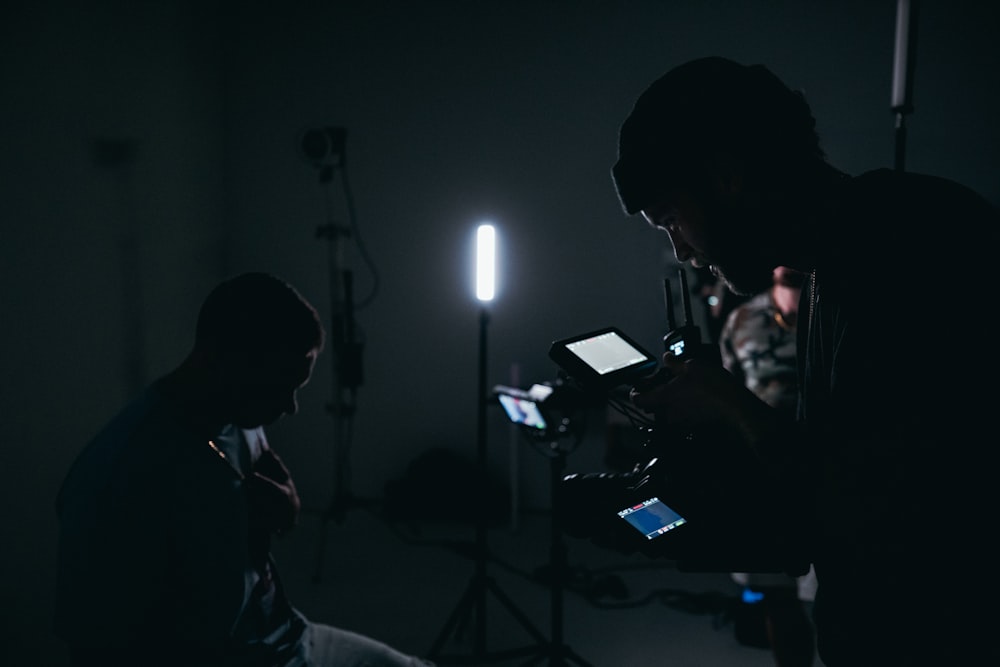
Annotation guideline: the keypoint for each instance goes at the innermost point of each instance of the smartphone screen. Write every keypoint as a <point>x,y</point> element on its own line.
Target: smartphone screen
<point>652,517</point>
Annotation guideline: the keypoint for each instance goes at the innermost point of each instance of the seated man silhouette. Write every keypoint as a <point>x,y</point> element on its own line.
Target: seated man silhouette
<point>166,517</point>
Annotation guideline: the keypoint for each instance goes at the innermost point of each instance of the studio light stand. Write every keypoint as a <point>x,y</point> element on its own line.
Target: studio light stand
<point>324,149</point>
<point>544,414</point>
<point>558,653</point>
<point>902,73</point>
<point>473,602</point>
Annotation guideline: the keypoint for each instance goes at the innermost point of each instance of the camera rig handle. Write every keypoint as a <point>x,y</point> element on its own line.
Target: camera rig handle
<point>684,340</point>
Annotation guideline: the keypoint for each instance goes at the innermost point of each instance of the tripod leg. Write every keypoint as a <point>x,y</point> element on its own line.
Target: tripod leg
<point>572,657</point>
<point>537,659</point>
<point>517,613</point>
<point>561,655</point>
<point>465,602</point>
<point>558,656</point>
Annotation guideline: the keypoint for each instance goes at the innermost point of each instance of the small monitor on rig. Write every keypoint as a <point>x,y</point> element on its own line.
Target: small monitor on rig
<point>652,517</point>
<point>522,410</point>
<point>605,358</point>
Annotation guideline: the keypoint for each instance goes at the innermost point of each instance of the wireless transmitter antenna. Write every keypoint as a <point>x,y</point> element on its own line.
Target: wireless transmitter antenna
<point>668,298</point>
<point>685,298</point>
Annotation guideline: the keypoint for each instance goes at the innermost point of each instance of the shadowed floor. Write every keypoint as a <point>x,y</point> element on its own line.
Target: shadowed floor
<point>402,583</point>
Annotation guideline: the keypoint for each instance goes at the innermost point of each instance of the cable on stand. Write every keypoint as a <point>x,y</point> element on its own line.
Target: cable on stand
<point>324,149</point>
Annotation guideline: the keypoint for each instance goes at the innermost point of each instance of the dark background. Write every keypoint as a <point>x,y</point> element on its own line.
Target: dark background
<point>149,149</point>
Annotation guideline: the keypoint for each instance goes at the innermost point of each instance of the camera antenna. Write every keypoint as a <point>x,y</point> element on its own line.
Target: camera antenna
<point>685,298</point>
<point>685,339</point>
<point>668,298</point>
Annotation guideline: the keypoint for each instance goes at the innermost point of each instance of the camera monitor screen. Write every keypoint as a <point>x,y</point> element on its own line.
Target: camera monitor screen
<point>522,411</point>
<point>604,358</point>
<point>652,517</point>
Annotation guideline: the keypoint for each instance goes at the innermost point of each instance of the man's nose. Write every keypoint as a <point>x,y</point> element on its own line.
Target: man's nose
<point>682,251</point>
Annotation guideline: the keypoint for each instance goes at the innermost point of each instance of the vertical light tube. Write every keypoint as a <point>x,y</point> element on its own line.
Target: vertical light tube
<point>485,262</point>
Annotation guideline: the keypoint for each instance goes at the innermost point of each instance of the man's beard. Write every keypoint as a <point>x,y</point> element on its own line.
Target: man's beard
<point>740,257</point>
<point>744,281</point>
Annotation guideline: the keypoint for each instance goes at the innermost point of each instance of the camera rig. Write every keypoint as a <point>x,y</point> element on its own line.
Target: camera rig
<point>697,485</point>
<point>601,364</point>
<point>550,415</point>
<point>605,363</point>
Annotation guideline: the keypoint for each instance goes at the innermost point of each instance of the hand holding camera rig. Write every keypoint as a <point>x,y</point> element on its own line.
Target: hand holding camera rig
<point>702,495</point>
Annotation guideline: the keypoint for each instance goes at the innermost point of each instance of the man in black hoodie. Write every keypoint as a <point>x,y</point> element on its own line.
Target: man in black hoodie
<point>882,481</point>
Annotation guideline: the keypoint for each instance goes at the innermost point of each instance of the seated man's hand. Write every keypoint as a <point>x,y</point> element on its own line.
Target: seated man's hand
<point>273,496</point>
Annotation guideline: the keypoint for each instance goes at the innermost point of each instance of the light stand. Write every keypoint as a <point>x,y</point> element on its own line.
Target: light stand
<point>533,411</point>
<point>902,73</point>
<point>473,601</point>
<point>324,149</point>
<point>559,654</point>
